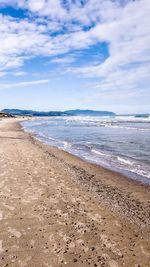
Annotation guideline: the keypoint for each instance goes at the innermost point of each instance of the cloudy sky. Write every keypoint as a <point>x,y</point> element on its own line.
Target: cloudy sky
<point>64,54</point>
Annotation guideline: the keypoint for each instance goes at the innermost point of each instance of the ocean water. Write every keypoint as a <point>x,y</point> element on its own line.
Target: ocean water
<point>119,143</point>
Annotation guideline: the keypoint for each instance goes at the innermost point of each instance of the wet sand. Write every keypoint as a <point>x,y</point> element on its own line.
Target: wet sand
<point>57,210</point>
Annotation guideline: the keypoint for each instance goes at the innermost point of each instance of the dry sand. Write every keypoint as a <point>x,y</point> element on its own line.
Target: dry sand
<point>57,210</point>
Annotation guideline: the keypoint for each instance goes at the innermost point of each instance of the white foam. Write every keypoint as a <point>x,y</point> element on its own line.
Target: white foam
<point>66,144</point>
<point>98,152</point>
<point>125,161</point>
<point>141,172</point>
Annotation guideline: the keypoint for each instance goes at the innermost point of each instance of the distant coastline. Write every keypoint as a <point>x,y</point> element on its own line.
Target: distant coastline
<point>76,112</point>
<point>7,112</point>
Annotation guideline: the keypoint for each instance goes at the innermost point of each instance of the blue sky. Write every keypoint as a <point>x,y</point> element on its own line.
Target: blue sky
<point>64,54</point>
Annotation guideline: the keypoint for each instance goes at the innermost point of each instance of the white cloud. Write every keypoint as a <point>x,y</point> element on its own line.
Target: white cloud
<point>15,3</point>
<point>19,73</point>
<point>52,8</point>
<point>22,84</point>
<point>128,35</point>
<point>123,24</point>
<point>36,6</point>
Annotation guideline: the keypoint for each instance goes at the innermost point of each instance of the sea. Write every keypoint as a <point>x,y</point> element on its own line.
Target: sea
<point>119,143</point>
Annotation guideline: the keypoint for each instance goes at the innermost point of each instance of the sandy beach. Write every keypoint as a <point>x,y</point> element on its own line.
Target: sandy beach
<point>57,210</point>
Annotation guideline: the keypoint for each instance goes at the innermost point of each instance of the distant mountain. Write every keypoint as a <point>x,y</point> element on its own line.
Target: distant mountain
<point>20,112</point>
<point>88,112</point>
<point>76,112</point>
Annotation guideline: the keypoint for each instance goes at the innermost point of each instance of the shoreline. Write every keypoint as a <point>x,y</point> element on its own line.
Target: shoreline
<point>63,211</point>
<point>123,173</point>
<point>137,179</point>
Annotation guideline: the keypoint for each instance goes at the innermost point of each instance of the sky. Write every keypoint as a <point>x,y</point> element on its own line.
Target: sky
<point>68,54</point>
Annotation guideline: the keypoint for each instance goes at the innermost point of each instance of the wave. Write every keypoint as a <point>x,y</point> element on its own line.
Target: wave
<point>97,152</point>
<point>125,161</point>
<point>124,122</point>
<point>107,119</point>
<point>130,123</point>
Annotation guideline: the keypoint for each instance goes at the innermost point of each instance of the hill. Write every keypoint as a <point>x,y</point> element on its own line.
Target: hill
<point>88,112</point>
<point>20,112</point>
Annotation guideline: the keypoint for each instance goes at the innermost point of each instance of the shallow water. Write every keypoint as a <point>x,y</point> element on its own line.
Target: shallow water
<point>119,143</point>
